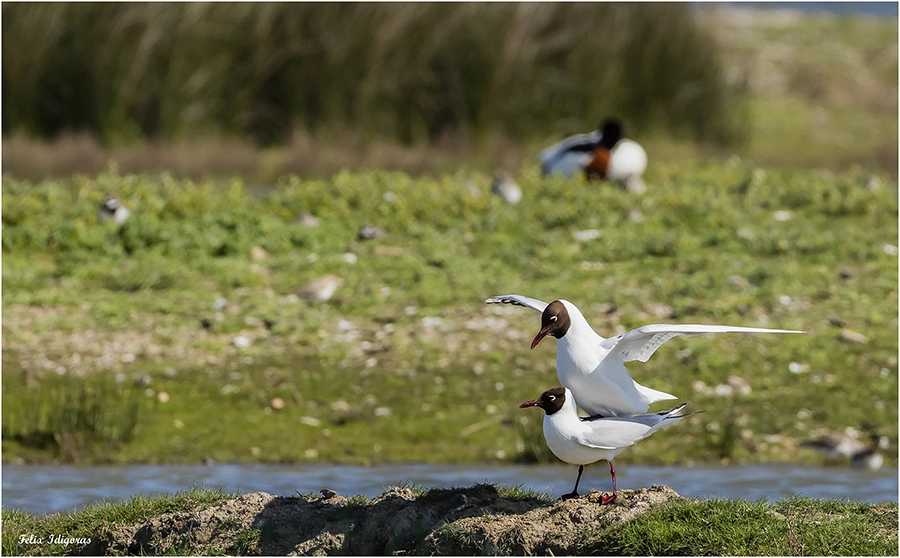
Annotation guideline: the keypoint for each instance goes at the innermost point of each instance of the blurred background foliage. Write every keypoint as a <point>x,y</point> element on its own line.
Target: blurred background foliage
<point>262,90</point>
<point>408,72</point>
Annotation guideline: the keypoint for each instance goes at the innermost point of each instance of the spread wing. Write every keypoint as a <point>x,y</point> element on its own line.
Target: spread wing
<point>518,300</point>
<point>640,344</point>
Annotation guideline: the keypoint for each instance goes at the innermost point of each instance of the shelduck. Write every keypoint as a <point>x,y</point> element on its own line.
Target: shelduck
<point>601,154</point>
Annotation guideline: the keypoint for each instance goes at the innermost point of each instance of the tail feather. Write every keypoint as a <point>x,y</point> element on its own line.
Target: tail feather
<point>668,413</point>
<point>672,410</point>
<point>651,396</point>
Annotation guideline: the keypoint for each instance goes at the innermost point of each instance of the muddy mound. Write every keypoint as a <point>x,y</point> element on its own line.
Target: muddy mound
<point>474,520</point>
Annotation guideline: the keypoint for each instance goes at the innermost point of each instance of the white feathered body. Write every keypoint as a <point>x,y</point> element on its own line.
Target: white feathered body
<point>581,442</point>
<point>593,367</point>
<point>603,385</point>
<point>627,160</point>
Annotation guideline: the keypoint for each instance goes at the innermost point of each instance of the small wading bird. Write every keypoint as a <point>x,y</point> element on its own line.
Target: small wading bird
<point>321,289</point>
<point>842,445</point>
<point>113,210</point>
<point>505,187</point>
<point>593,367</point>
<point>583,441</point>
<point>601,154</point>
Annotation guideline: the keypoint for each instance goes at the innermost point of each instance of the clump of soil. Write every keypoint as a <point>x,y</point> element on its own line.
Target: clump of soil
<point>473,520</point>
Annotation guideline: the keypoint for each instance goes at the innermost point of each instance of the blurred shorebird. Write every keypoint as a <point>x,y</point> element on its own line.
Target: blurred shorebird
<point>369,232</point>
<point>307,220</point>
<point>601,154</point>
<point>505,187</point>
<point>113,210</point>
<point>838,446</point>
<point>321,289</point>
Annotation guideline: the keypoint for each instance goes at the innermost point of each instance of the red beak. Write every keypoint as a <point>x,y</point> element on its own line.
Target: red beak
<point>537,338</point>
<point>530,404</point>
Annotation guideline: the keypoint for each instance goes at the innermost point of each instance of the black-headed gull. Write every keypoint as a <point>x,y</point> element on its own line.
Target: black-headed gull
<point>581,441</point>
<point>112,209</point>
<point>593,367</point>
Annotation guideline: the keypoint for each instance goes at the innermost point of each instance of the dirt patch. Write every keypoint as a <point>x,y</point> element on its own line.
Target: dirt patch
<point>474,520</point>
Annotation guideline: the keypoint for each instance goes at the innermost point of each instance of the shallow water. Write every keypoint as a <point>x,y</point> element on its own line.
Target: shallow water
<point>49,488</point>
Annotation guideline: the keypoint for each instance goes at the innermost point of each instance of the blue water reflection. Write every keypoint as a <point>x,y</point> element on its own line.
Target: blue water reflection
<point>49,488</point>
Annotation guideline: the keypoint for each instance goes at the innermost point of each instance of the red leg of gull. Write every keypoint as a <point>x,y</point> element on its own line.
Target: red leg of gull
<point>574,493</point>
<point>610,499</point>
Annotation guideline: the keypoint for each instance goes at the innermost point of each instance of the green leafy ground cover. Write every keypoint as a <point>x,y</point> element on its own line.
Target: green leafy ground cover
<point>105,359</point>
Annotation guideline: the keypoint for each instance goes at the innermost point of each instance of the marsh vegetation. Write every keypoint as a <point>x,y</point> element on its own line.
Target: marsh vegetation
<point>405,362</point>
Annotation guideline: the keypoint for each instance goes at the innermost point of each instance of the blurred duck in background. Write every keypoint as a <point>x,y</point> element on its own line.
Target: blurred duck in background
<point>113,210</point>
<point>570,156</point>
<point>602,154</point>
<point>838,446</point>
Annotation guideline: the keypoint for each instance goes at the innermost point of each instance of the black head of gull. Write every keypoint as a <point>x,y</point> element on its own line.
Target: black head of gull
<point>551,401</point>
<point>555,321</point>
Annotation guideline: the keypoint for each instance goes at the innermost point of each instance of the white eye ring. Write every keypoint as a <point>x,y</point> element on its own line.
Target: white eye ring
<point>552,397</point>
<point>552,318</point>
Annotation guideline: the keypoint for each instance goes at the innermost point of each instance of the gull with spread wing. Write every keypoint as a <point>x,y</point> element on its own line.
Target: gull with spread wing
<point>593,367</point>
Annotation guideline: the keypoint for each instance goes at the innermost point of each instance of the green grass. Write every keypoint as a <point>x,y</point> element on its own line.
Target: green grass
<point>791,527</point>
<point>23,531</point>
<point>406,363</point>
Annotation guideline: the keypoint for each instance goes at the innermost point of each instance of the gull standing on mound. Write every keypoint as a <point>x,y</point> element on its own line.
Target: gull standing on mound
<point>593,367</point>
<point>583,441</point>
